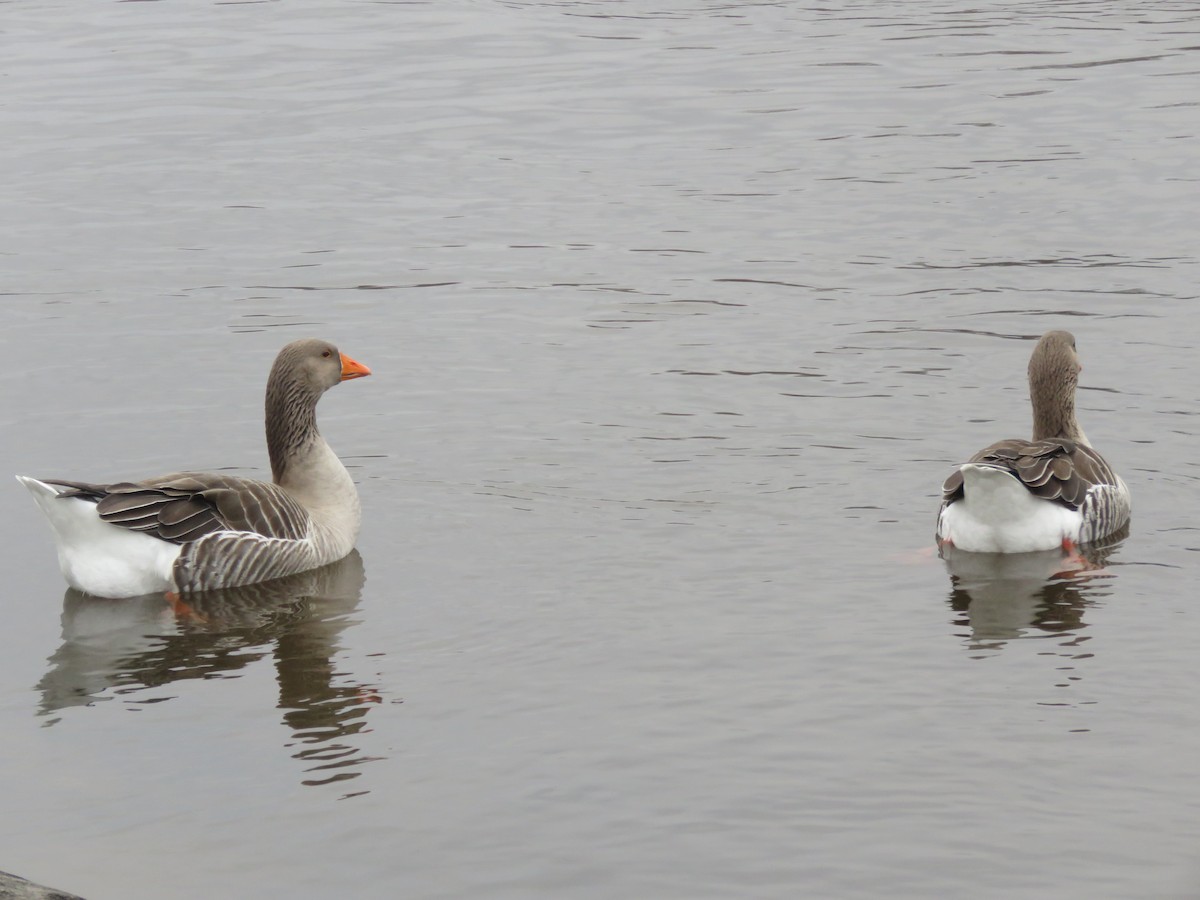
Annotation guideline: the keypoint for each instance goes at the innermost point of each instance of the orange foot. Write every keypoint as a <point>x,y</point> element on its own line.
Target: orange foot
<point>1076,565</point>
<point>181,609</point>
<point>916,557</point>
<point>368,695</point>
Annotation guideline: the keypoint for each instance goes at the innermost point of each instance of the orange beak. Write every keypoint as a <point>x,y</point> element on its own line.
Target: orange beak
<point>352,368</point>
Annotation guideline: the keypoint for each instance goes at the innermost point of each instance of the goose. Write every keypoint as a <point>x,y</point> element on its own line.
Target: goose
<point>1053,491</point>
<point>194,531</point>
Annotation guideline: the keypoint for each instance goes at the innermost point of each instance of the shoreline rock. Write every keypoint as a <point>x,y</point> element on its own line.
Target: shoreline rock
<point>13,887</point>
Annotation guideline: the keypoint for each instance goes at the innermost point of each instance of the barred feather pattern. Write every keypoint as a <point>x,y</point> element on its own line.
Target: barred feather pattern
<point>232,558</point>
<point>1061,471</point>
<point>232,531</point>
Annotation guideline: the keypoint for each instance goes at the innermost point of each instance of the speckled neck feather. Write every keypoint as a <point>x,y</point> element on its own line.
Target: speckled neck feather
<point>1053,377</point>
<point>291,415</point>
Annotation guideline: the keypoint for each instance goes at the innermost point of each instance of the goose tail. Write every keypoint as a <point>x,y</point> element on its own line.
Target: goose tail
<point>998,514</point>
<point>97,557</point>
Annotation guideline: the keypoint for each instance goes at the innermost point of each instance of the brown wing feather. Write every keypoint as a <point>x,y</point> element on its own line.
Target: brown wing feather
<point>1058,470</point>
<point>184,507</point>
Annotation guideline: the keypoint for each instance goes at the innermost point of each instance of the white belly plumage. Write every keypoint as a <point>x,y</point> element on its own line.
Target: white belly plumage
<point>998,514</point>
<point>99,558</point>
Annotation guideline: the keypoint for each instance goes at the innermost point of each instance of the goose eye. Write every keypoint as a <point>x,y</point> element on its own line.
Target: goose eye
<point>326,354</point>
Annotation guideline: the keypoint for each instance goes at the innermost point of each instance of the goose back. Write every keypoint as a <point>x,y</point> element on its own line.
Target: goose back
<point>186,506</point>
<point>1058,470</point>
<point>1064,472</point>
<point>231,531</point>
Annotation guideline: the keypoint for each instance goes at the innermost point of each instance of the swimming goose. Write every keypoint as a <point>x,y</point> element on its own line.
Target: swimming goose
<point>1019,495</point>
<point>193,531</point>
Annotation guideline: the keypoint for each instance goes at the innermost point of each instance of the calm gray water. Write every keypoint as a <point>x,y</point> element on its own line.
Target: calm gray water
<point>678,314</point>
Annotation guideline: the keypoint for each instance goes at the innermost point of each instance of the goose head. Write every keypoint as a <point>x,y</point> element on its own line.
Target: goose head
<point>303,371</point>
<point>313,366</point>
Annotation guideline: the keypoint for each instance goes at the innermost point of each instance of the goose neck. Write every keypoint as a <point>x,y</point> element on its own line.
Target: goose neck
<point>1054,415</point>
<point>291,423</point>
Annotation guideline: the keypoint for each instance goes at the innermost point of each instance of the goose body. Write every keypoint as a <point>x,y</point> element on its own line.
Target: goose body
<point>195,531</point>
<point>1054,490</point>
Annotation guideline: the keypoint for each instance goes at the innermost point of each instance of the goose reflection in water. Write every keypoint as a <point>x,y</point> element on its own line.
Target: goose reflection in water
<point>122,647</point>
<point>1005,596</point>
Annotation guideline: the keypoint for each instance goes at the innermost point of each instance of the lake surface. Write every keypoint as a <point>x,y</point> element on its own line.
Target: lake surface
<point>679,314</point>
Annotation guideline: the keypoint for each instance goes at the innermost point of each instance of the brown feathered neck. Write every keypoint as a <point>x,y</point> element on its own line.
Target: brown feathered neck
<point>1053,377</point>
<point>291,415</point>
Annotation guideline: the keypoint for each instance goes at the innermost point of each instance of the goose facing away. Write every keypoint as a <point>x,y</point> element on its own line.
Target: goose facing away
<point>1053,491</point>
<point>193,531</point>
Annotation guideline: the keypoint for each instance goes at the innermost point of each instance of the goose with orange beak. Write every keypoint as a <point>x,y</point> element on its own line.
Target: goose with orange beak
<point>199,531</point>
<point>1055,490</point>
